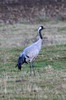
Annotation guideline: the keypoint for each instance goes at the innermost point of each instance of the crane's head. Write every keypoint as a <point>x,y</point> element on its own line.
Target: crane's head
<point>39,31</point>
<point>41,28</point>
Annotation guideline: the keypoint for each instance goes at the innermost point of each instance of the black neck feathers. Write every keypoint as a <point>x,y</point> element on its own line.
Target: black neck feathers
<point>40,34</point>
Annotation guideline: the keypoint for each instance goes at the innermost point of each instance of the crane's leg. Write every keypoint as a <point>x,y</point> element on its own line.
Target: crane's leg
<point>32,68</point>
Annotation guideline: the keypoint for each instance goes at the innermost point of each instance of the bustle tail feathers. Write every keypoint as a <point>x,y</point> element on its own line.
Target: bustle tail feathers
<point>21,60</point>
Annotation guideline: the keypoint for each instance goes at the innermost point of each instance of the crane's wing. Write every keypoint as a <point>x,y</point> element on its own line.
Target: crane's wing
<point>32,51</point>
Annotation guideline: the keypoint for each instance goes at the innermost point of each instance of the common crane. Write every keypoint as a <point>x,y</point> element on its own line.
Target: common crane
<point>31,52</point>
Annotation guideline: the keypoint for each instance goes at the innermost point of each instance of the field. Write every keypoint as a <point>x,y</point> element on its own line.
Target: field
<point>49,83</point>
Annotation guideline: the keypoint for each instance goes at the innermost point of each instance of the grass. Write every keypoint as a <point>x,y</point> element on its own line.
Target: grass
<point>62,29</point>
<point>49,83</point>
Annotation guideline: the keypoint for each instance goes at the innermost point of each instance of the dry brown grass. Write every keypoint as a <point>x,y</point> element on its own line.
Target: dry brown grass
<point>24,34</point>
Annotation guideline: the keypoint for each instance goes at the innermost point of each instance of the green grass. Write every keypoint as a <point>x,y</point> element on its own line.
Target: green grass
<point>50,55</point>
<point>62,29</point>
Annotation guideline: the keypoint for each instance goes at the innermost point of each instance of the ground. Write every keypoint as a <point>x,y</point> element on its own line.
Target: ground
<point>49,83</point>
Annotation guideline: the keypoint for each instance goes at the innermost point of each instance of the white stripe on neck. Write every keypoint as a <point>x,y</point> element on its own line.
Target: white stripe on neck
<point>39,29</point>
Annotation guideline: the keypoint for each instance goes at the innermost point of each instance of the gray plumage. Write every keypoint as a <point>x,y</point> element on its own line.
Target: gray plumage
<point>31,52</point>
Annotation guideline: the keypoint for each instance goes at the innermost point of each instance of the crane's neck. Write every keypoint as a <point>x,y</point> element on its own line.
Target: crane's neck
<point>40,34</point>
